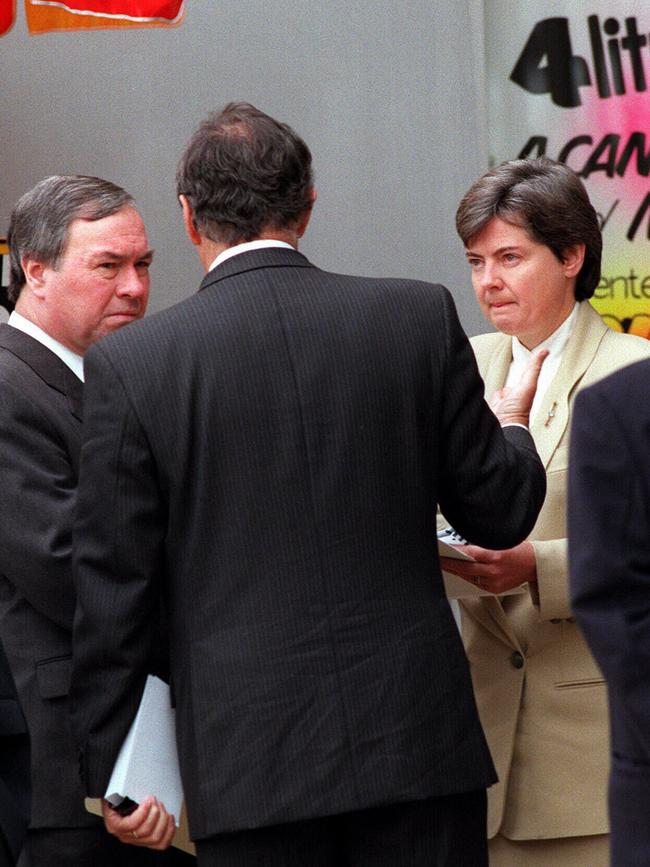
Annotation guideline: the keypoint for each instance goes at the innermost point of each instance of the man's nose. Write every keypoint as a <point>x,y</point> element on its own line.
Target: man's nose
<point>134,282</point>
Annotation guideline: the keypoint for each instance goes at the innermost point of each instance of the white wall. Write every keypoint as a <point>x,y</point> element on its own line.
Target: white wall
<point>387,93</point>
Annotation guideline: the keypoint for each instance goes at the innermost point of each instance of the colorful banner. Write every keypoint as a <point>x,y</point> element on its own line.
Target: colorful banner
<point>166,11</point>
<point>571,82</point>
<point>44,16</point>
<point>7,15</point>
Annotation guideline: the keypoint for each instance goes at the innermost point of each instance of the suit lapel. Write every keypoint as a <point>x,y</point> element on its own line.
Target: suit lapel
<point>488,611</point>
<point>74,391</point>
<point>552,419</point>
<point>46,364</point>
<point>495,374</point>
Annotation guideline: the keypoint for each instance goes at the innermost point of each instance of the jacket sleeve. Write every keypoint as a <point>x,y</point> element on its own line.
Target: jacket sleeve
<point>492,482</point>
<point>37,505</point>
<point>119,533</point>
<point>609,554</point>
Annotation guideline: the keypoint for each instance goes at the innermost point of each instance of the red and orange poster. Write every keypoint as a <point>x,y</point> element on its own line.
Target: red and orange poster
<point>7,15</point>
<point>46,16</point>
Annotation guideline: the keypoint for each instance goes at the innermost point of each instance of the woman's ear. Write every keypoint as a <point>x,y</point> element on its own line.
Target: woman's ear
<point>573,258</point>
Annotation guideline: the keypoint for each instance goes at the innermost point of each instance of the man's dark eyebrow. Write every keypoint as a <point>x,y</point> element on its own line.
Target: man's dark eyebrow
<point>109,254</point>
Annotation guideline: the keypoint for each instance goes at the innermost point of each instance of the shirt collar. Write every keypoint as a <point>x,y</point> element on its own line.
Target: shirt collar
<point>68,357</point>
<point>245,247</point>
<point>555,343</point>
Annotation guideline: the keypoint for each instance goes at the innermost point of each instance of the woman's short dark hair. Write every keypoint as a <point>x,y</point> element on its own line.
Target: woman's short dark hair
<point>548,200</point>
<point>242,171</point>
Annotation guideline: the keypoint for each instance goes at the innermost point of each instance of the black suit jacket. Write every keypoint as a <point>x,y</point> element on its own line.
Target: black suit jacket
<point>271,452</point>
<point>40,440</point>
<point>14,769</point>
<point>609,558</point>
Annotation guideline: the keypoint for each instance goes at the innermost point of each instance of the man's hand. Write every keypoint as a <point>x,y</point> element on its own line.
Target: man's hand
<point>494,571</point>
<point>149,825</point>
<point>512,405</point>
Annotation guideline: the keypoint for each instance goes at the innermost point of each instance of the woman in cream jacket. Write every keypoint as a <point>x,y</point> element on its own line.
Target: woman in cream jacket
<point>534,247</point>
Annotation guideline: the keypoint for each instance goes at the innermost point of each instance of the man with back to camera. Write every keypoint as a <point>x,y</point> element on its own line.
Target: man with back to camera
<point>271,452</point>
<point>79,269</point>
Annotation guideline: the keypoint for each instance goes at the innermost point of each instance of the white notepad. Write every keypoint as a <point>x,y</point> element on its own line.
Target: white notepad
<point>147,763</point>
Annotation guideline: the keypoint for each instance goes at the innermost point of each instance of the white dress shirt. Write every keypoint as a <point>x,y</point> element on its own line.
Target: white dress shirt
<point>245,247</point>
<point>556,345</point>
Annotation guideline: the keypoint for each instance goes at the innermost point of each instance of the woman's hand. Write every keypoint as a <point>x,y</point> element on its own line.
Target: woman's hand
<point>494,571</point>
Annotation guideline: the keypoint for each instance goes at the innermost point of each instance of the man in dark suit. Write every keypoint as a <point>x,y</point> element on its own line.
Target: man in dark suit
<point>79,269</point>
<point>609,558</point>
<point>14,770</point>
<point>271,452</point>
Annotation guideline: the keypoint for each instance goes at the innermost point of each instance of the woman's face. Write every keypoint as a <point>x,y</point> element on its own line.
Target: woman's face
<point>521,286</point>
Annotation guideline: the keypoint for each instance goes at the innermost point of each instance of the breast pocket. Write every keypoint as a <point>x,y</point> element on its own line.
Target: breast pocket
<point>53,676</point>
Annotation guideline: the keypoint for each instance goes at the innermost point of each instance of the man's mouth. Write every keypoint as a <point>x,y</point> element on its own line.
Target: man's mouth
<point>128,313</point>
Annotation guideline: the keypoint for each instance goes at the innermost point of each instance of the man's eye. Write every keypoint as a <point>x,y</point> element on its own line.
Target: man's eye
<point>144,265</point>
<point>474,263</point>
<point>107,265</point>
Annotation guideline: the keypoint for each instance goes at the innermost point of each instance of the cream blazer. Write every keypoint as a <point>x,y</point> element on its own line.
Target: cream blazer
<point>540,694</point>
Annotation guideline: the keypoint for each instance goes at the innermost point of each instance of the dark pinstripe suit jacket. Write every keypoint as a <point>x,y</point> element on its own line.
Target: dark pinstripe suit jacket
<point>271,452</point>
<point>14,769</point>
<point>40,440</point>
<point>609,559</point>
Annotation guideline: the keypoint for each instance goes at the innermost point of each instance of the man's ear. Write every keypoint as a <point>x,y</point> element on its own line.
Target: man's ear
<point>34,276</point>
<point>303,220</point>
<point>188,221</point>
<point>573,259</point>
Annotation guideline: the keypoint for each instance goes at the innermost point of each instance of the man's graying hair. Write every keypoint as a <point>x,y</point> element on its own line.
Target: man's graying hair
<point>243,171</point>
<point>39,223</point>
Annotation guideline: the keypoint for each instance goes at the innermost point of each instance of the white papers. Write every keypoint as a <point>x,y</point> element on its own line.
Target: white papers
<point>147,763</point>
<point>456,587</point>
<point>459,588</point>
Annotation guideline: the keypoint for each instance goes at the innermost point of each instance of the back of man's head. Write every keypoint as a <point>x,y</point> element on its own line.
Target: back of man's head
<point>243,172</point>
<point>38,228</point>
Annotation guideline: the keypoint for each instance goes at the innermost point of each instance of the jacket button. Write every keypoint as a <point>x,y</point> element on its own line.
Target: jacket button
<point>517,659</point>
